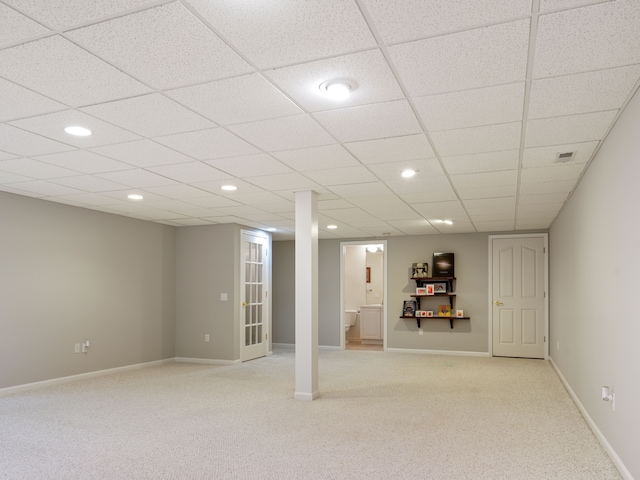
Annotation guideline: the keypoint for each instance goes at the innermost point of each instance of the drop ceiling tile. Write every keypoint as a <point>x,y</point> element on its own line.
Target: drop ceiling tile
<point>59,15</point>
<point>147,115</point>
<point>385,150</point>
<point>570,129</point>
<point>190,172</point>
<point>288,31</point>
<point>57,68</point>
<point>18,102</point>
<point>241,99</point>
<point>181,208</point>
<point>533,225</point>
<point>83,161</point>
<point>317,158</point>
<point>361,190</point>
<point>469,59</point>
<point>590,38</point>
<point>482,162</point>
<point>212,201</point>
<point>283,182</point>
<point>547,187</point>
<point>142,153</point>
<point>240,210</point>
<point>494,226</point>
<point>582,93</point>
<point>413,227</point>
<point>52,126</point>
<point>208,144</point>
<point>393,213</point>
<point>267,201</point>
<point>482,206</point>
<point>466,141</point>
<point>19,142</point>
<point>215,187</point>
<point>42,188</point>
<point>16,27</point>
<point>341,176</point>
<point>470,108</point>
<point>546,156</point>
<point>418,184</point>
<point>487,180</point>
<point>374,80</point>
<point>372,202</point>
<point>542,199</point>
<point>150,44</point>
<point>368,122</point>
<point>505,217</point>
<point>8,177</point>
<point>487,192</point>
<point>546,5</point>
<point>536,211</point>
<point>451,210</point>
<point>458,227</point>
<point>88,199</point>
<point>553,173</point>
<point>426,168</point>
<point>177,192</point>
<point>250,165</point>
<point>323,193</point>
<point>89,183</point>
<point>137,178</point>
<point>333,204</point>
<point>411,19</point>
<point>352,216</point>
<point>441,193</point>
<point>288,133</point>
<point>6,156</point>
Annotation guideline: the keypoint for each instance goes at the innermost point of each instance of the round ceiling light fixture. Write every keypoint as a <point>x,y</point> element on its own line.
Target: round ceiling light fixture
<point>78,131</point>
<point>339,88</point>
<point>229,188</point>
<point>408,173</point>
<point>332,227</point>
<point>135,196</point>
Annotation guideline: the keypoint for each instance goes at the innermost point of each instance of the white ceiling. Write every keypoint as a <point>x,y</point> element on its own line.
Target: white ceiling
<point>186,96</point>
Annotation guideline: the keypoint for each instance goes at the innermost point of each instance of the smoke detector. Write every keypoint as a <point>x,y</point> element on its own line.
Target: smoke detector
<point>565,157</point>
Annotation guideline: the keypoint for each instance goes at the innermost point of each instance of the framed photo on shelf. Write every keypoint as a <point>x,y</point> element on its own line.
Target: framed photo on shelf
<point>421,313</point>
<point>459,313</point>
<point>421,291</point>
<point>444,310</point>
<point>440,287</point>
<point>429,313</point>
<point>409,308</point>
<point>429,288</point>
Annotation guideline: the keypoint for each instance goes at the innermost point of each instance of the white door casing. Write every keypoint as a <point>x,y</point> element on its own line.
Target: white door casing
<point>518,298</point>
<point>254,278</point>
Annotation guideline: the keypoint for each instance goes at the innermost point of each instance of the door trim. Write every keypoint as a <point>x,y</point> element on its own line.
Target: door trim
<point>384,289</point>
<point>545,237</point>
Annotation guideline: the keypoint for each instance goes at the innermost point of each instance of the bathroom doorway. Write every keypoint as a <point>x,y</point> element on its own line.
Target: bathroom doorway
<point>363,290</point>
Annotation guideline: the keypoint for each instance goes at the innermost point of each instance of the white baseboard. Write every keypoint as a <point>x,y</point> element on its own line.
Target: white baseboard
<point>438,352</point>
<point>592,425</point>
<point>81,376</point>
<point>206,361</point>
<point>292,346</point>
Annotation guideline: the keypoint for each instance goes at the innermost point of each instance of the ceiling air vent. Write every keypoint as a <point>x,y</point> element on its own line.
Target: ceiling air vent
<point>565,157</point>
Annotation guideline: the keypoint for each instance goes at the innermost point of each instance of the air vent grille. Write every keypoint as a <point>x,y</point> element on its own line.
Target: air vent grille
<point>565,157</point>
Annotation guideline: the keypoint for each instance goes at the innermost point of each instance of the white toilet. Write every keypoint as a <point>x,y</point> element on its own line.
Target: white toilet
<point>350,318</point>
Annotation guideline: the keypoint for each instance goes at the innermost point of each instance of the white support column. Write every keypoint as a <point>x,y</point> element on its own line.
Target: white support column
<point>306,296</point>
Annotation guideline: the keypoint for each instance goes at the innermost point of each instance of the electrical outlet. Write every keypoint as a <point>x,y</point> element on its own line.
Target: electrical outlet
<point>420,332</point>
<point>76,348</point>
<point>206,337</point>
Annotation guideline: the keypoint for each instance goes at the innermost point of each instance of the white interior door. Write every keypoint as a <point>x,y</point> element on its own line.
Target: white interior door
<point>254,278</point>
<point>518,300</point>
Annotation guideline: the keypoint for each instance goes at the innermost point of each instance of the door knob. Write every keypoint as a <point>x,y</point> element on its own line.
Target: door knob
<point>498,304</point>
<point>244,304</point>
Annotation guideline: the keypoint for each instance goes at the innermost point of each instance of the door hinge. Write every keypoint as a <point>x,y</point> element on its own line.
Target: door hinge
<point>545,339</point>
<point>266,336</point>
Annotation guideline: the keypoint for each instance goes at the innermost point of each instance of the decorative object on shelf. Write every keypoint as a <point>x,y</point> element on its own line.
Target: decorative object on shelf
<point>443,265</point>
<point>429,313</point>
<point>421,313</point>
<point>420,270</point>
<point>429,288</point>
<point>409,308</point>
<point>459,313</point>
<point>421,291</point>
<point>440,287</point>
<point>444,310</point>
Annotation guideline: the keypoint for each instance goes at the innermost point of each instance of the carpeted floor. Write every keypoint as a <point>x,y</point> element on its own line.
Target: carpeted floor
<point>380,416</point>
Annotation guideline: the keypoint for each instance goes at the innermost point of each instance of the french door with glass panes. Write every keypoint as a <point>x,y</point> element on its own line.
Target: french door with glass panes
<point>255,281</point>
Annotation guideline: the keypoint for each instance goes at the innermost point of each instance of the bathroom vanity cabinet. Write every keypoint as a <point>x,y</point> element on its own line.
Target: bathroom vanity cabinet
<point>371,322</point>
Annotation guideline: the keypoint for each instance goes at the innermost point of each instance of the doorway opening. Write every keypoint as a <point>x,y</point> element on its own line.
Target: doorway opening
<point>363,290</point>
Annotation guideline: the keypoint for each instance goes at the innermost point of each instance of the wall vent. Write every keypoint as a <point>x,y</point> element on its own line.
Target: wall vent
<point>565,157</point>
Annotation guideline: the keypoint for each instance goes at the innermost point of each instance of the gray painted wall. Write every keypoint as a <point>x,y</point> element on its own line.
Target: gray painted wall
<point>594,280</point>
<point>68,275</point>
<point>207,265</point>
<point>471,257</point>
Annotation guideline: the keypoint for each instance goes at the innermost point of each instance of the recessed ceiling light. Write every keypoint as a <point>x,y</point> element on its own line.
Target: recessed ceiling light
<point>78,131</point>
<point>332,227</point>
<point>339,88</point>
<point>446,222</point>
<point>408,173</point>
<point>135,196</point>
<point>229,188</point>
<point>272,229</point>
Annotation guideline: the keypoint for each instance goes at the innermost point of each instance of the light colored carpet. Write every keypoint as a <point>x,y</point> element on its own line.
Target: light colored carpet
<point>381,415</point>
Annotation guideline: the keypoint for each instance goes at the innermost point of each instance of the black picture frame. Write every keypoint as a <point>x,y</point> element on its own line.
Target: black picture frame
<point>409,308</point>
